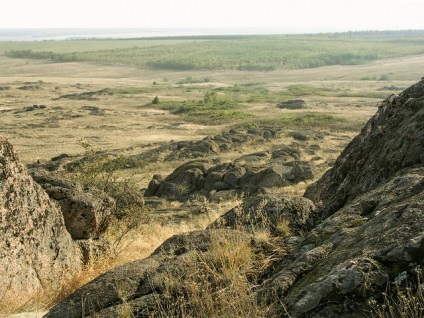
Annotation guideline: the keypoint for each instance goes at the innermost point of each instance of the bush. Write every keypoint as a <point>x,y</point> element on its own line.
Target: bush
<point>155,100</point>
<point>99,171</point>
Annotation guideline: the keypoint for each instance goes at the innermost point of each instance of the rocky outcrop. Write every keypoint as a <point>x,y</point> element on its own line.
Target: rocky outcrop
<point>209,146</point>
<point>353,255</point>
<point>86,211</point>
<point>173,151</point>
<point>267,169</point>
<point>371,205</point>
<point>37,254</point>
<point>390,141</point>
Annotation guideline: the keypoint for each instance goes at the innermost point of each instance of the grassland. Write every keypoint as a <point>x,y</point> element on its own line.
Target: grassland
<point>101,93</point>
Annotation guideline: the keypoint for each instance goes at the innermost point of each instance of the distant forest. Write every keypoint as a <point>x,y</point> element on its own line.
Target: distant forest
<point>230,52</point>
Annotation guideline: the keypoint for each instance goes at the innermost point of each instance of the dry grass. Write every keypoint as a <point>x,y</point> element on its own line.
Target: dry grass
<point>407,302</point>
<point>217,283</point>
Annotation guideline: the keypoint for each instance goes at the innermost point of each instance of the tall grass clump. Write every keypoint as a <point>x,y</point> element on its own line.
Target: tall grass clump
<point>406,302</point>
<point>218,282</point>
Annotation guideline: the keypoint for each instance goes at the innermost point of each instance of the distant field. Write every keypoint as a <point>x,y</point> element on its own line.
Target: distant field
<point>246,53</point>
<point>70,46</point>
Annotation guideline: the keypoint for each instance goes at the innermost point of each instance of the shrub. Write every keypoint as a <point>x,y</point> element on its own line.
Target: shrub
<point>155,100</point>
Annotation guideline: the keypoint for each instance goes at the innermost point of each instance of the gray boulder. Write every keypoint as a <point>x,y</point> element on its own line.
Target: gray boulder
<point>292,104</point>
<point>180,183</point>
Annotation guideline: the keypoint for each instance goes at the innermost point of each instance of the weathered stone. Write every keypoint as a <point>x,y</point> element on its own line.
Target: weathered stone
<point>213,179</point>
<point>232,177</point>
<point>181,182</point>
<point>249,173</point>
<point>86,211</point>
<point>107,290</point>
<point>299,136</point>
<point>138,283</point>
<point>389,142</point>
<point>37,254</point>
<point>267,211</point>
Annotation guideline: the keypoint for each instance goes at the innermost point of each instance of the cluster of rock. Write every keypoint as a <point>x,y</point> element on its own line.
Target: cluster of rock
<point>364,234</point>
<point>174,151</point>
<point>248,173</point>
<point>92,96</point>
<point>213,145</point>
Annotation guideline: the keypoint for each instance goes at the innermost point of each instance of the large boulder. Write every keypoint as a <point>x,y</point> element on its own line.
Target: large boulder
<point>86,211</point>
<point>292,104</point>
<point>180,183</point>
<point>37,254</point>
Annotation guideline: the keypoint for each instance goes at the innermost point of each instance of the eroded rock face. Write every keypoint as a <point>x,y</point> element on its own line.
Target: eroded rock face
<point>390,141</point>
<point>86,211</point>
<point>368,244</point>
<point>37,254</point>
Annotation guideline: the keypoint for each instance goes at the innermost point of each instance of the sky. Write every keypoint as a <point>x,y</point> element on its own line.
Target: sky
<point>295,15</point>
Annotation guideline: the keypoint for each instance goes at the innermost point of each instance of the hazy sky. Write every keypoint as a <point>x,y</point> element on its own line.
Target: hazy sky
<point>308,15</point>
